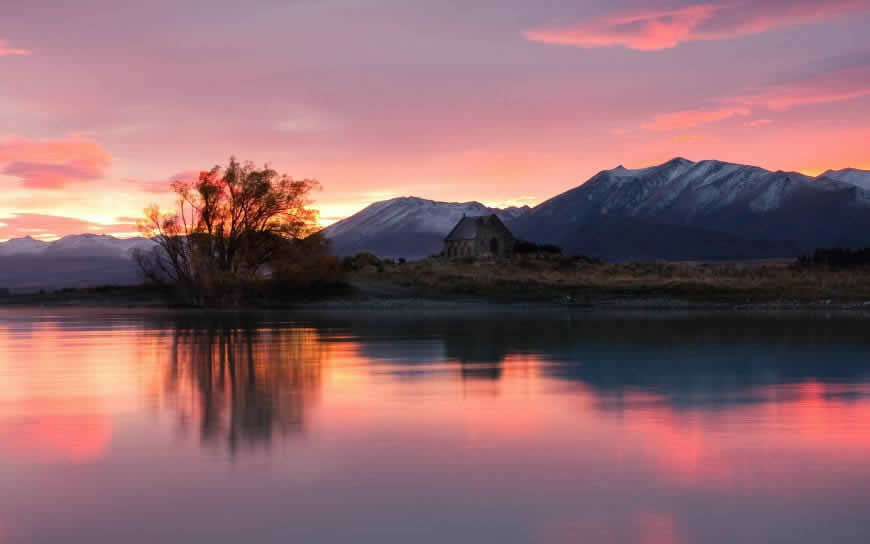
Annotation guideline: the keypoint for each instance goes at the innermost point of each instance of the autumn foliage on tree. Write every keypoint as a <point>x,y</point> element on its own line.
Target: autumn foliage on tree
<point>233,226</point>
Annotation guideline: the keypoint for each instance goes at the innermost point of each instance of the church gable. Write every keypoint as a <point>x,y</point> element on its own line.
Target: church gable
<point>482,236</point>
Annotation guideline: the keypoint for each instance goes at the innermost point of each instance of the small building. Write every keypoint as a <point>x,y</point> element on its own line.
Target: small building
<point>481,236</point>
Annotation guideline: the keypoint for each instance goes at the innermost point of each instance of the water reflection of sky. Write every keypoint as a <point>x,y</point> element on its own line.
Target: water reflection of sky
<point>149,426</point>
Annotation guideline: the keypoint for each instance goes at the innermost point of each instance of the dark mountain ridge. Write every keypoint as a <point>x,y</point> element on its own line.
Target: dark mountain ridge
<point>706,210</point>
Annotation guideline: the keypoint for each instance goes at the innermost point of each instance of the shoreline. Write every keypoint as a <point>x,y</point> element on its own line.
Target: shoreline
<point>443,302</point>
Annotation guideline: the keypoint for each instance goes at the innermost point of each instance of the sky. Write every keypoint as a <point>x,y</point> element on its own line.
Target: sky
<point>507,102</point>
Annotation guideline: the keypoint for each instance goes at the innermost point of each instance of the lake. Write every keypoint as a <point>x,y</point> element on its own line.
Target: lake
<point>479,426</point>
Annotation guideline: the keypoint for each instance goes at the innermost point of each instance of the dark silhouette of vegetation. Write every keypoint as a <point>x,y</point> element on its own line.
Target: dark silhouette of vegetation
<point>837,258</point>
<point>526,247</point>
<point>362,261</point>
<point>235,230</point>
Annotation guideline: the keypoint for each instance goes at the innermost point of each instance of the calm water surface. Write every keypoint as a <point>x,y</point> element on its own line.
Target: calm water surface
<point>150,427</point>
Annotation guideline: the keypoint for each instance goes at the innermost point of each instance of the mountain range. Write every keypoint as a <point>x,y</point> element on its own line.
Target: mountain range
<point>78,245</point>
<point>677,210</point>
<point>79,260</point>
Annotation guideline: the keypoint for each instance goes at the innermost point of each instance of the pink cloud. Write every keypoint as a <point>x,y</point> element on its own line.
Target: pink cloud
<point>821,88</point>
<point>755,123</point>
<point>644,31</point>
<point>185,176</point>
<point>825,88</point>
<point>52,226</point>
<point>685,119</point>
<point>51,164</point>
<point>37,175</point>
<point>653,30</point>
<point>157,187</point>
<point>161,186</point>
<point>6,51</point>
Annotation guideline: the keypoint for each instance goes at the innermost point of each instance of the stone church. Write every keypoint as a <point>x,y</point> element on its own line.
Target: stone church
<point>482,236</point>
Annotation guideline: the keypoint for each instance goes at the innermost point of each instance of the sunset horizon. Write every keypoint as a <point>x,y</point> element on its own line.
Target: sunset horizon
<point>125,227</point>
<point>504,106</point>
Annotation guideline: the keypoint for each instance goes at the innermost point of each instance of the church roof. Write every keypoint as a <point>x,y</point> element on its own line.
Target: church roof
<point>467,227</point>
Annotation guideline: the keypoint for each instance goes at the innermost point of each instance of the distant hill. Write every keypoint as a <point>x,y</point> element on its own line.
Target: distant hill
<point>29,273</point>
<point>405,227</point>
<point>706,210</point>
<point>22,246</point>
<point>81,260</point>
<point>77,245</point>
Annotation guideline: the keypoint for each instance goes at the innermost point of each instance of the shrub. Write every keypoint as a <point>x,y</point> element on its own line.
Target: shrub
<point>837,258</point>
<point>525,247</point>
<point>361,260</point>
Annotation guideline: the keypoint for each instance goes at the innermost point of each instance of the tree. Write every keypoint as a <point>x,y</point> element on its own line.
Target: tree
<point>227,228</point>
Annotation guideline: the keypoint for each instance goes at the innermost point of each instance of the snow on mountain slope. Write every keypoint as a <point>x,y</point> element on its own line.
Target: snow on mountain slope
<point>406,226</point>
<point>706,199</point>
<point>98,245</point>
<point>78,245</point>
<point>852,176</point>
<point>683,189</point>
<point>22,246</point>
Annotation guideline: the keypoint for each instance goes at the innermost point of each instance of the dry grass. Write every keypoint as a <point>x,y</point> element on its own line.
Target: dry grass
<point>580,279</point>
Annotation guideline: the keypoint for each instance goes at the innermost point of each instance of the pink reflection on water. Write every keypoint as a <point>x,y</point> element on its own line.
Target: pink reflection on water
<point>57,437</point>
<point>332,424</point>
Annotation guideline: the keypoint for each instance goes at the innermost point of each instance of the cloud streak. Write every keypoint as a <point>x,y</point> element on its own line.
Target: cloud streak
<point>757,123</point>
<point>686,119</point>
<point>48,226</point>
<point>6,51</point>
<point>824,87</point>
<point>658,29</point>
<point>163,186</point>
<point>51,164</point>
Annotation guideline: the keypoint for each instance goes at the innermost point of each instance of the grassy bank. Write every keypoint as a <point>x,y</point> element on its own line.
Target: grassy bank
<point>579,280</point>
<point>547,279</point>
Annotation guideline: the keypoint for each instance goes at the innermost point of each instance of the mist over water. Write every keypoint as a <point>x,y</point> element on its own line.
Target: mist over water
<point>137,426</point>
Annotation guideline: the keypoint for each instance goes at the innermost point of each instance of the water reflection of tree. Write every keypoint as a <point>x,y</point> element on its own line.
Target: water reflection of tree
<point>241,383</point>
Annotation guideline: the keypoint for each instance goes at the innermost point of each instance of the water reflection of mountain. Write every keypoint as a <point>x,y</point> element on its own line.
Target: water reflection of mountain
<point>689,360</point>
<point>240,380</point>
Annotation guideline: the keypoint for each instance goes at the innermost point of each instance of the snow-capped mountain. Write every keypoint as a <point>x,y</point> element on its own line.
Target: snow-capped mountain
<point>98,244</point>
<point>406,226</point>
<point>78,245</point>
<point>79,260</point>
<point>677,210</point>
<point>852,176</point>
<point>22,246</point>
<point>709,209</point>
